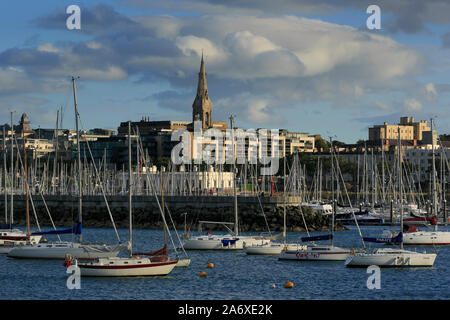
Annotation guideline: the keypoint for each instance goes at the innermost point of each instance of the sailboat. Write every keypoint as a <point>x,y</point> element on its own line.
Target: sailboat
<point>9,237</point>
<point>59,250</point>
<point>132,265</point>
<point>316,252</point>
<point>435,237</point>
<point>182,262</point>
<point>231,241</point>
<point>392,257</point>
<point>275,248</point>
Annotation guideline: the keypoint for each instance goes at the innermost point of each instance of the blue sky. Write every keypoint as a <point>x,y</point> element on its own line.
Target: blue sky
<point>309,66</point>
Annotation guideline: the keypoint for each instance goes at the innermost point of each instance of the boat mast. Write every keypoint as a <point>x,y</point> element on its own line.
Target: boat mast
<point>80,195</point>
<point>382,178</point>
<point>11,218</point>
<point>55,161</point>
<point>4,175</point>
<point>332,191</point>
<point>162,204</point>
<point>284,196</point>
<point>129,188</point>
<point>372,166</point>
<point>434,203</point>
<point>236,221</point>
<point>26,181</point>
<point>400,189</point>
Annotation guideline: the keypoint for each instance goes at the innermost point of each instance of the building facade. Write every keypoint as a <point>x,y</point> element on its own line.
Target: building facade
<point>411,133</point>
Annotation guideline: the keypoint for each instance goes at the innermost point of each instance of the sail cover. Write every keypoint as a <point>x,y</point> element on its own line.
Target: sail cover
<point>397,239</point>
<point>432,220</point>
<point>226,242</point>
<point>74,230</point>
<point>318,238</point>
<point>160,252</point>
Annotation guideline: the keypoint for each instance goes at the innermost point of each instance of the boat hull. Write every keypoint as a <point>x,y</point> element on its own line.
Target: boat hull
<point>427,238</point>
<point>146,268</point>
<point>182,263</point>
<point>222,243</point>
<point>315,254</point>
<point>15,238</point>
<point>6,249</point>
<point>391,260</point>
<point>60,251</point>
<point>270,249</point>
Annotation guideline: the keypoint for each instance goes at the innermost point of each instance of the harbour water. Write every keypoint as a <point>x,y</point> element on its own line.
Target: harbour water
<point>235,276</point>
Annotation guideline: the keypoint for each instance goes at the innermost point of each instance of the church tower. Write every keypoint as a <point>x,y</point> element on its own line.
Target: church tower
<point>202,106</point>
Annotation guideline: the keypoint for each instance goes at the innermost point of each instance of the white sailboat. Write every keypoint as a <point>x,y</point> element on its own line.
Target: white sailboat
<point>131,265</point>
<point>413,236</point>
<point>231,241</point>
<point>59,250</point>
<point>393,257</point>
<point>435,237</point>
<point>11,238</point>
<point>426,237</point>
<point>316,252</point>
<point>275,248</point>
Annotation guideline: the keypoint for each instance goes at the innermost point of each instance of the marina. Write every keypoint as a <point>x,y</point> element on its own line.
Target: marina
<point>210,152</point>
<point>235,275</point>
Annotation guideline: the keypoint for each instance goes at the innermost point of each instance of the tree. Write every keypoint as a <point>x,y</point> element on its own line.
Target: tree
<point>338,144</point>
<point>360,142</point>
<point>322,145</point>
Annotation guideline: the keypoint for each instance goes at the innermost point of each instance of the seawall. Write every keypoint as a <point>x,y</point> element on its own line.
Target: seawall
<point>146,213</point>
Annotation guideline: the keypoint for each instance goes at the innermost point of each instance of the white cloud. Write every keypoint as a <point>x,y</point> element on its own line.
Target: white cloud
<point>192,44</point>
<point>274,60</point>
<point>111,73</point>
<point>47,47</point>
<point>431,92</point>
<point>383,106</point>
<point>259,112</point>
<point>93,45</point>
<point>412,105</point>
<point>247,44</point>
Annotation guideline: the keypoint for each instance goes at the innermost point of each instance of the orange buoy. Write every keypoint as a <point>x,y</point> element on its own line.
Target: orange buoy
<point>289,285</point>
<point>202,274</point>
<point>210,265</point>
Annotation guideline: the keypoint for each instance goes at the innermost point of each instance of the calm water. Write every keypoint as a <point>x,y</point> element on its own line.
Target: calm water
<point>235,276</point>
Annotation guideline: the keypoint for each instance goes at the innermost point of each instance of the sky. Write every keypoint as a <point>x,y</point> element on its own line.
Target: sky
<point>302,65</point>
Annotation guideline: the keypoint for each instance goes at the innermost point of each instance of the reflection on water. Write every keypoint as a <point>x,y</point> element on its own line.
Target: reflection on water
<point>235,275</point>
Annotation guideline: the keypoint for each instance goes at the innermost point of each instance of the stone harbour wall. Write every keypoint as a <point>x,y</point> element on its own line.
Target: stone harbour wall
<point>146,213</point>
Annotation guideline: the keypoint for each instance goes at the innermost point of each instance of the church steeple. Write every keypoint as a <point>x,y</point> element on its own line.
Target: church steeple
<point>202,106</point>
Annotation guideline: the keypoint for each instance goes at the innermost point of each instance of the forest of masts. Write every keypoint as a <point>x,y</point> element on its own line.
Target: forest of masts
<point>370,182</point>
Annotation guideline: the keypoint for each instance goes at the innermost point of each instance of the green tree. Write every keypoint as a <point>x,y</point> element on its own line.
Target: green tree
<point>322,145</point>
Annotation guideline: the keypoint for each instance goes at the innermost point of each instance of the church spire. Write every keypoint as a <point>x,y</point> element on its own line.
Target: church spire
<point>202,106</point>
<point>202,88</point>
